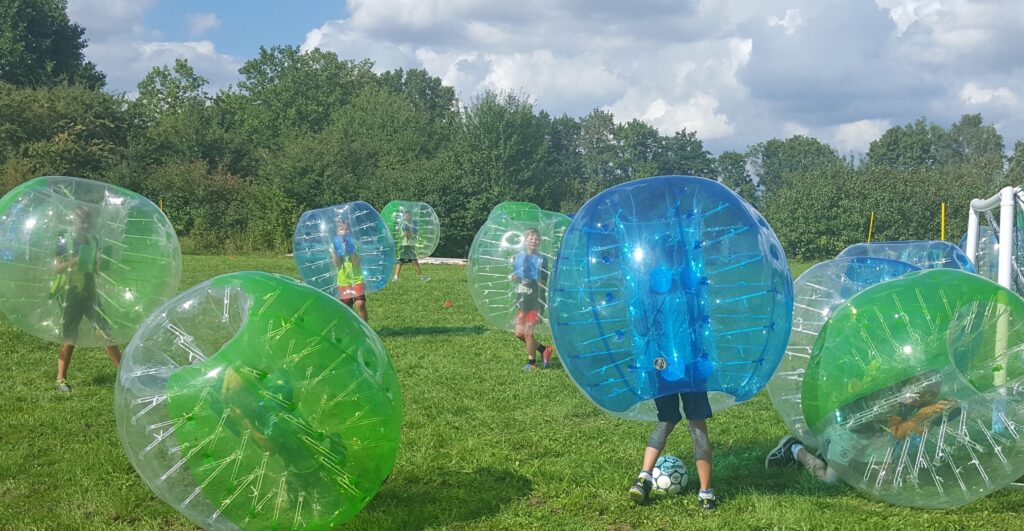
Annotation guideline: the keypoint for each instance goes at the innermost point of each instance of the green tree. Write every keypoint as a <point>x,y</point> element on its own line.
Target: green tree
<point>171,90</point>
<point>1015,166</point>
<point>684,154</point>
<point>774,160</point>
<point>41,47</point>
<point>978,146</point>
<point>730,169</point>
<point>640,149</point>
<point>917,145</point>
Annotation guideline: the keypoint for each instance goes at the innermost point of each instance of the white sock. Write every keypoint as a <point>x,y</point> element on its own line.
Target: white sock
<point>795,448</point>
<point>706,494</point>
<point>646,475</point>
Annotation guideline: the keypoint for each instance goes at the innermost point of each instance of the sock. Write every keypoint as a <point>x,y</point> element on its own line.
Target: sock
<point>706,494</point>
<point>646,474</point>
<point>795,448</point>
<point>531,362</point>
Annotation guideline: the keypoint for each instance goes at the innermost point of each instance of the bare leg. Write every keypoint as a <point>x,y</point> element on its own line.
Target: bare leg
<point>816,467</point>
<point>655,444</point>
<point>64,360</point>
<point>360,307</point>
<point>418,270</point>
<point>398,269</point>
<point>114,353</point>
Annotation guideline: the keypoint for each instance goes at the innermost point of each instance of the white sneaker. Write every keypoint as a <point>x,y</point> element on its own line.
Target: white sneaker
<point>424,278</point>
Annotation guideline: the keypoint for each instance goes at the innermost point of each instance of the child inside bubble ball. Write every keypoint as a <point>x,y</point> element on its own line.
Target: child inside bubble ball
<point>697,408</point>
<point>77,262</point>
<point>407,250</point>
<point>530,278</point>
<point>351,288</point>
<point>883,418</point>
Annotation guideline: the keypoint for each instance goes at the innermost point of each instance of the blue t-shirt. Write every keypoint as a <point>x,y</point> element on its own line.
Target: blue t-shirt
<point>344,246</point>
<point>528,266</point>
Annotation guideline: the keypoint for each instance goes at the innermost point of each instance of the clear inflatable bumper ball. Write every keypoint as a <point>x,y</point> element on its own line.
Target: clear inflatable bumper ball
<point>252,401</point>
<point>817,294</point>
<point>344,251</point>
<point>510,261</point>
<point>914,389</point>
<point>922,253</point>
<point>83,262</point>
<point>414,228</point>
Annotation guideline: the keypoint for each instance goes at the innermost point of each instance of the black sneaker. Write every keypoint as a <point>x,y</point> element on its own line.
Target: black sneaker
<point>782,454</point>
<point>640,492</point>
<point>706,504</point>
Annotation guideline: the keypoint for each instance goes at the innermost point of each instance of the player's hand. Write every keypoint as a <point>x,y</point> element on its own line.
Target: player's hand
<point>936,408</point>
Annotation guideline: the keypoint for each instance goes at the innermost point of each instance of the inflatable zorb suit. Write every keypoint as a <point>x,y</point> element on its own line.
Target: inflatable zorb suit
<point>510,261</point>
<point>414,228</point>
<point>667,285</point>
<point>344,251</point>
<point>915,389</point>
<point>922,253</point>
<point>83,262</point>
<point>253,401</point>
<point>816,294</point>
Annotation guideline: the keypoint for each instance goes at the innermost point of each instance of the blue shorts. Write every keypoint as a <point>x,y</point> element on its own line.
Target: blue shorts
<point>696,406</point>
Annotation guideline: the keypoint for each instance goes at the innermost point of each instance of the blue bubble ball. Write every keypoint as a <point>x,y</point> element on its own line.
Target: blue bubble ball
<point>668,285</point>
<point>344,250</point>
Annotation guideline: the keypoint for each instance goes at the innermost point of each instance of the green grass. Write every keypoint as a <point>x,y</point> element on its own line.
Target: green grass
<point>484,446</point>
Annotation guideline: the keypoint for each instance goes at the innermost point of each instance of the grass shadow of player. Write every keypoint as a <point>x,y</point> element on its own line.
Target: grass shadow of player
<point>442,498</point>
<point>431,331</point>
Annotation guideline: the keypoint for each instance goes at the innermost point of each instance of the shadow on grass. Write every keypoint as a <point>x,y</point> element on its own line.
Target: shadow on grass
<point>430,331</point>
<point>443,498</point>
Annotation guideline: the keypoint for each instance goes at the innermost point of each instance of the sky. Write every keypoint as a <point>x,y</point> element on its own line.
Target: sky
<point>736,72</point>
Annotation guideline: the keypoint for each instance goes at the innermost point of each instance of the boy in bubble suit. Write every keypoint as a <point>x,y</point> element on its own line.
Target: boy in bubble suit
<point>530,277</point>
<point>351,287</point>
<point>78,260</point>
<point>885,417</point>
<point>407,251</point>
<point>698,410</point>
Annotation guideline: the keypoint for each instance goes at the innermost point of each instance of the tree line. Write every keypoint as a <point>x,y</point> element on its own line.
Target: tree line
<point>300,130</point>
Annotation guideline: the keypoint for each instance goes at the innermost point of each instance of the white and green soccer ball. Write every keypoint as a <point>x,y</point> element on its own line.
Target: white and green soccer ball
<point>669,475</point>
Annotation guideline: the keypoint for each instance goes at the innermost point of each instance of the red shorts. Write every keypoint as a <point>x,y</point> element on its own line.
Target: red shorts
<point>531,317</point>
<point>349,293</point>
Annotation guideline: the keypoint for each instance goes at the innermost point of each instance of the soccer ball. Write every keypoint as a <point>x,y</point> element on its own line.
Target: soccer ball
<point>669,475</point>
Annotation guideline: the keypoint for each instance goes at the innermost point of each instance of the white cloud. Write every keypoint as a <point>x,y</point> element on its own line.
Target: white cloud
<point>857,136</point>
<point>200,23</point>
<point>790,22</point>
<point>125,49</point>
<point>973,94</point>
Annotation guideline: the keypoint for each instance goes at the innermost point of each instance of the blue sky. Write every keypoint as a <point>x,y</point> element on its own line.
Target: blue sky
<point>733,71</point>
<point>244,25</point>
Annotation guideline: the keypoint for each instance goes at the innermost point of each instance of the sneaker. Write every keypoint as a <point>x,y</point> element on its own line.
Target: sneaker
<point>62,386</point>
<point>394,279</point>
<point>640,492</point>
<point>529,366</point>
<point>782,454</point>
<point>424,278</point>
<point>706,504</point>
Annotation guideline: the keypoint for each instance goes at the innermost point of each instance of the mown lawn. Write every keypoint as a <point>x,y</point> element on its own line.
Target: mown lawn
<point>484,445</point>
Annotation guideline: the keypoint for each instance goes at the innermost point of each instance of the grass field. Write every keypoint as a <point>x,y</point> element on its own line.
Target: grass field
<point>484,445</point>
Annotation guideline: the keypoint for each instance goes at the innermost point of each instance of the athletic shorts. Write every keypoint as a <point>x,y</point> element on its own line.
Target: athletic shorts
<point>82,303</point>
<point>407,254</point>
<point>350,294</point>
<point>531,317</point>
<point>696,406</point>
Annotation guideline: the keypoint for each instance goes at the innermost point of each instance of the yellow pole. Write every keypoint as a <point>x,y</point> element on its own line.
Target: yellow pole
<point>161,204</point>
<point>871,225</point>
<point>943,231</point>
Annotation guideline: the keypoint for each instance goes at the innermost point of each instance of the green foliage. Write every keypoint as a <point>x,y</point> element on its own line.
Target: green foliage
<point>304,130</point>
<point>772,161</point>
<point>41,47</point>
